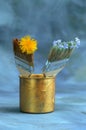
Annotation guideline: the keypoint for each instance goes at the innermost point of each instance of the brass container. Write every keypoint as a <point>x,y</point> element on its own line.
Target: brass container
<point>37,93</point>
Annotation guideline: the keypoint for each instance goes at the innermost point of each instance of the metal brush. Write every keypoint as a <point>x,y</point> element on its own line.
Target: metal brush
<point>58,56</point>
<point>23,61</point>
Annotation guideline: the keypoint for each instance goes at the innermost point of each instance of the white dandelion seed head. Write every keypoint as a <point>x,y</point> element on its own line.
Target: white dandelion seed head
<point>77,40</point>
<point>54,43</point>
<point>72,44</point>
<point>58,41</point>
<point>61,46</point>
<point>65,45</point>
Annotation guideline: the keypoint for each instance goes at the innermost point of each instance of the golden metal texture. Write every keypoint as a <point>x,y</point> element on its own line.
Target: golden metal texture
<point>37,93</point>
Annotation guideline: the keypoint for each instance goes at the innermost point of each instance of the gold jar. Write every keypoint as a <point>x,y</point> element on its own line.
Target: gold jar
<point>37,93</point>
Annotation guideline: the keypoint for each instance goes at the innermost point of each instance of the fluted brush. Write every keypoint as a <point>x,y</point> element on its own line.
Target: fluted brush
<point>24,49</point>
<point>59,55</point>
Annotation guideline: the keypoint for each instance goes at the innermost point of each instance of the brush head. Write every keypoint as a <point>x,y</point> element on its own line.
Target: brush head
<point>59,55</point>
<point>24,54</point>
<point>18,53</point>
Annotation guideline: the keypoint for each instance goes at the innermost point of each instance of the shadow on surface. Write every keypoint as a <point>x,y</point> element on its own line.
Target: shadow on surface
<point>6,109</point>
<point>63,107</point>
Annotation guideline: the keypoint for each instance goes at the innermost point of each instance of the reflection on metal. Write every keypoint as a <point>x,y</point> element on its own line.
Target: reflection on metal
<point>23,66</point>
<point>53,68</point>
<point>37,93</point>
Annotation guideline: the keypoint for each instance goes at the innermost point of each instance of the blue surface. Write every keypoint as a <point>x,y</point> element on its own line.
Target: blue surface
<point>69,114</point>
<point>70,103</point>
<point>46,21</point>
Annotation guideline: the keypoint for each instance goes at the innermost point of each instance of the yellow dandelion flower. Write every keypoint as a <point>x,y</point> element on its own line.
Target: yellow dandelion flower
<point>28,45</point>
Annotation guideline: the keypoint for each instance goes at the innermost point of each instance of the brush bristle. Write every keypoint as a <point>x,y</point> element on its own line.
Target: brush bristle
<point>24,56</point>
<point>62,50</point>
<point>57,54</point>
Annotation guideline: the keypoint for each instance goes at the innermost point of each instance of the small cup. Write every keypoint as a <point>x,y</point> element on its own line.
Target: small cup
<point>37,93</point>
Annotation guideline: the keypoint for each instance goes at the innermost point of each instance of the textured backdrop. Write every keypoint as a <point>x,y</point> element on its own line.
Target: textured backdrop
<point>46,21</point>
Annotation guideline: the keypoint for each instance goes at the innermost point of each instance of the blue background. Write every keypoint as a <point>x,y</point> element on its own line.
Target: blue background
<point>46,21</point>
